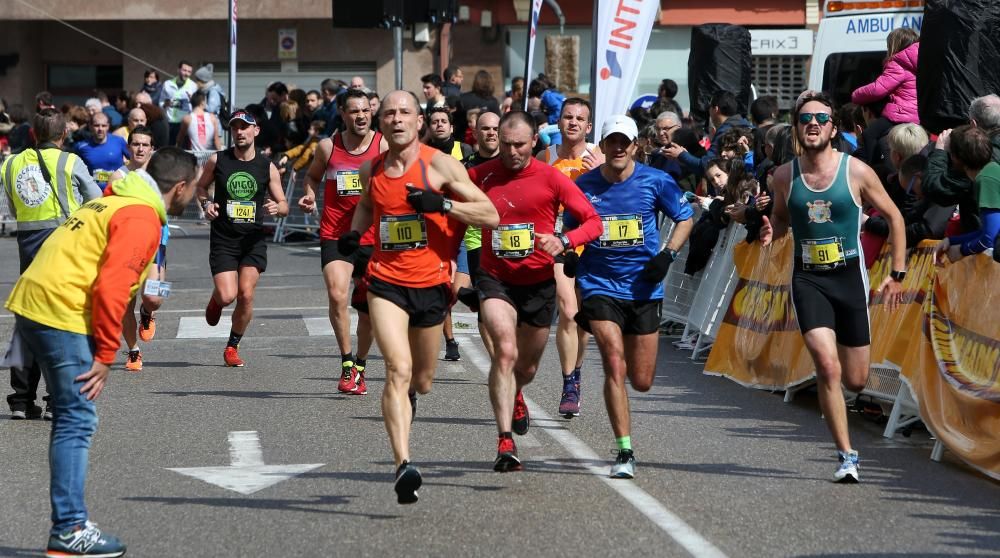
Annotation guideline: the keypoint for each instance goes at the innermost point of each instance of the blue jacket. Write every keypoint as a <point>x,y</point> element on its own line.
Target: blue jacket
<point>697,166</point>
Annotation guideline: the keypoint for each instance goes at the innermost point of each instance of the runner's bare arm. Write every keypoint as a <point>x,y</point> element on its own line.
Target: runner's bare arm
<point>314,176</point>
<point>681,233</point>
<point>472,206</point>
<point>363,213</point>
<point>206,179</point>
<point>182,131</point>
<point>218,132</point>
<point>872,191</point>
<point>276,205</point>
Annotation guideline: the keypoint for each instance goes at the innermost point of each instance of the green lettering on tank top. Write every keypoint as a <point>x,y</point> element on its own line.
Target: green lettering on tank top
<point>241,186</point>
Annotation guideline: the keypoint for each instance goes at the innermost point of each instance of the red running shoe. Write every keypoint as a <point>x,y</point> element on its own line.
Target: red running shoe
<point>360,387</point>
<point>507,460</point>
<point>347,379</point>
<point>232,357</point>
<point>519,424</point>
<point>213,312</point>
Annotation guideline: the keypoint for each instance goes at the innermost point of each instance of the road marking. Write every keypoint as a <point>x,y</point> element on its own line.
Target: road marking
<point>198,328</point>
<point>320,326</point>
<point>247,472</point>
<point>675,527</point>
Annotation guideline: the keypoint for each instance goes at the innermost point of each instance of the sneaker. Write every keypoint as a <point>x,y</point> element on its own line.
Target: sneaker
<point>147,325</point>
<point>133,363</point>
<point>360,387</point>
<point>451,351</point>
<point>408,480</point>
<point>847,472</point>
<point>569,405</point>
<point>519,424</point>
<point>47,413</point>
<point>347,375</point>
<point>232,357</point>
<point>213,312</point>
<point>19,414</point>
<point>624,467</point>
<point>34,412</point>
<point>413,407</point>
<point>86,540</point>
<point>507,460</point>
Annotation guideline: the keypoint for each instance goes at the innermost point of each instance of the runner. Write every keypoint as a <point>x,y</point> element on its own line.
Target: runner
<point>408,294</point>
<point>140,144</point>
<point>336,163</point>
<point>573,157</point>
<point>238,247</point>
<point>103,153</point>
<point>820,194</point>
<point>620,275</point>
<point>515,277</point>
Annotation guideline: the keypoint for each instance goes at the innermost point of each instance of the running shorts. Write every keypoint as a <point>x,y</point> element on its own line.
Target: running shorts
<point>328,252</point>
<point>633,317</point>
<point>836,299</point>
<point>229,254</point>
<point>535,304</point>
<point>427,306</point>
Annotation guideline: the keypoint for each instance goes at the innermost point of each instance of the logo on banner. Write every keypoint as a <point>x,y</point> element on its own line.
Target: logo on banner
<point>625,21</point>
<point>968,360</point>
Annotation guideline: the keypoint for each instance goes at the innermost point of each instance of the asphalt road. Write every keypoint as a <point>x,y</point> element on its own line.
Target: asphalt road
<point>722,470</point>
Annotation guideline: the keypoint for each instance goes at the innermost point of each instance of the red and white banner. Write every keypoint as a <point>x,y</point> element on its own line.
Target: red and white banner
<point>536,8</point>
<point>621,35</point>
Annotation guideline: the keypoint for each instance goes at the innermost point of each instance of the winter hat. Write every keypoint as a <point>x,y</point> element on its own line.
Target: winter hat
<point>204,73</point>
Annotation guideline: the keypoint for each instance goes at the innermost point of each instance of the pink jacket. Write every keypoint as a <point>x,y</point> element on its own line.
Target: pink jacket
<point>898,82</point>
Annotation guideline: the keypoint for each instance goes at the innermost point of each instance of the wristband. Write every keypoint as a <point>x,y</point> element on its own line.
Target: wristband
<point>565,242</point>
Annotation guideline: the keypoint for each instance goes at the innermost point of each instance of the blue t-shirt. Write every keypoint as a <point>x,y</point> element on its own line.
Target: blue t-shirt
<point>104,159</point>
<point>611,265</point>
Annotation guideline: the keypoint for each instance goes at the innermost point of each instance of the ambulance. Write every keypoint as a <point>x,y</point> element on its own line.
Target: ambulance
<point>850,43</point>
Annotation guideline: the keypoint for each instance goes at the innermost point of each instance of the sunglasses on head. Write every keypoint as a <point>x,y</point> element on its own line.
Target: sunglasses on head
<point>821,117</point>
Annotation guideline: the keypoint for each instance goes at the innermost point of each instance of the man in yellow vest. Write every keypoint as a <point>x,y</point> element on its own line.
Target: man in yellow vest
<point>69,305</point>
<point>41,197</point>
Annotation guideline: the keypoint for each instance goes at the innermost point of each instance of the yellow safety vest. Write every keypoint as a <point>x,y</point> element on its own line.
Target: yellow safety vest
<point>35,203</point>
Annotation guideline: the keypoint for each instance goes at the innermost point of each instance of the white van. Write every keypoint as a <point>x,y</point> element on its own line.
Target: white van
<point>850,43</point>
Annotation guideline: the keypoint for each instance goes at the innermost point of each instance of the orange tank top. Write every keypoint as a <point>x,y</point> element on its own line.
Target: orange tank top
<point>411,249</point>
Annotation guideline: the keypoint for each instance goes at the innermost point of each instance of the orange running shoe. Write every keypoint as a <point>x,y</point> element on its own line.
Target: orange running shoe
<point>232,357</point>
<point>147,325</point>
<point>134,361</point>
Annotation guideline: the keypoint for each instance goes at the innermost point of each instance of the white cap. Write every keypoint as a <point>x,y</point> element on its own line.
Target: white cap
<point>619,124</point>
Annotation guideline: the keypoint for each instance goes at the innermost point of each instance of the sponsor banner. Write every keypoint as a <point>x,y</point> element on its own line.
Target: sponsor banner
<point>529,55</point>
<point>893,334</point>
<point>758,343</point>
<point>622,29</point>
<point>954,371</point>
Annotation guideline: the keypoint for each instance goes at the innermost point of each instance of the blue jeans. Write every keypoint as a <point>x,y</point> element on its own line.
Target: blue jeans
<point>63,356</point>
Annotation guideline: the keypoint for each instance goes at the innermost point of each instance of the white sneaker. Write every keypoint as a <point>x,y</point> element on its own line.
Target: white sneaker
<point>847,472</point>
<point>624,466</point>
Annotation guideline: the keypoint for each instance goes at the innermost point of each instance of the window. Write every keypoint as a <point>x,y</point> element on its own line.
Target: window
<point>781,76</point>
<point>75,83</point>
<point>846,71</point>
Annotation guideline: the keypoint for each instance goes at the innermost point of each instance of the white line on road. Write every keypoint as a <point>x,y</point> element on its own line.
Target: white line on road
<point>198,328</point>
<point>675,527</point>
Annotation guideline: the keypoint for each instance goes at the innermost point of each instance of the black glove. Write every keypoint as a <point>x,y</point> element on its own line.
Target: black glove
<point>469,297</point>
<point>425,201</point>
<point>349,243</point>
<point>656,268</point>
<point>571,260</point>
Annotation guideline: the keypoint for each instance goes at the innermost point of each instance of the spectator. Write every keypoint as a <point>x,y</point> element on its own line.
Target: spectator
<point>93,106</point>
<point>850,124</point>
<point>482,97</point>
<point>294,128</point>
<point>375,104</point>
<point>440,134</point>
<point>666,93</point>
<point>357,82</point>
<point>136,118</point>
<point>330,89</point>
<point>123,102</point>
<point>205,78</point>
<point>764,114</point>
<point>175,98</point>
<point>724,114</point>
<point>303,154</point>
<point>432,89</point>
<point>314,103</point>
<point>43,100</point>
<point>715,219</point>
<point>156,120</point>
<point>765,168</point>
<point>515,97</point>
<point>114,117</point>
<point>452,81</point>
<point>925,220</point>
<point>971,151</point>
<point>200,130</point>
<point>151,84</point>
<point>276,94</point>
<point>896,86</point>
<point>666,124</point>
<point>944,183</point>
<point>550,101</point>
<point>77,120</point>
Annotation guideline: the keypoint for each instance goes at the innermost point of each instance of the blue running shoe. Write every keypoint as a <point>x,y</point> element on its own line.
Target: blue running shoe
<point>86,540</point>
<point>847,472</point>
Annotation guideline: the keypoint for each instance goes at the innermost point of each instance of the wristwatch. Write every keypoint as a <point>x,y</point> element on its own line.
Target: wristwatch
<point>565,242</point>
<point>446,206</point>
<point>897,276</point>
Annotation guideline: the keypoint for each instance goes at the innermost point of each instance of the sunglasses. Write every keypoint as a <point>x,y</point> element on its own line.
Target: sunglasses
<point>821,117</point>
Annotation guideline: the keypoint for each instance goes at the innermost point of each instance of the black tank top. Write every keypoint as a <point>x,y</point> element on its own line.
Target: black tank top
<point>241,188</point>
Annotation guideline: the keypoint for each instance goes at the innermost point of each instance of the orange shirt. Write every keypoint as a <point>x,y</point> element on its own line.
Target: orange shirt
<point>411,249</point>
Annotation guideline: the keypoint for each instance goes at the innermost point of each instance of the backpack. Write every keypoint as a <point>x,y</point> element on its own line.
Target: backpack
<point>225,109</point>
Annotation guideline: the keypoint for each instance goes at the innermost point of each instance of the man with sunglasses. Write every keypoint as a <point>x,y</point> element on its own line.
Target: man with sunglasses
<point>819,195</point>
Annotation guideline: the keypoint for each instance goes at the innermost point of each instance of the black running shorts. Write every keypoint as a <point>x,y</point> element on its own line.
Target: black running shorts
<point>359,297</point>
<point>426,306</point>
<point>836,299</point>
<point>328,252</point>
<point>535,304</point>
<point>227,253</point>
<point>633,317</point>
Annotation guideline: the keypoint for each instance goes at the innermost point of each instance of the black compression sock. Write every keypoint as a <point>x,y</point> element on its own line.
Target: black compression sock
<point>234,339</point>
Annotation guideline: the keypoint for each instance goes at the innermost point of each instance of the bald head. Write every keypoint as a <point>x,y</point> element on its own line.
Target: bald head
<point>400,119</point>
<point>99,127</point>
<point>487,138</point>
<point>136,118</point>
<point>357,82</point>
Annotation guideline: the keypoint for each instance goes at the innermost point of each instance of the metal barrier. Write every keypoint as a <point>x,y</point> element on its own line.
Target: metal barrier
<point>715,290</point>
<point>297,220</point>
<point>678,287</point>
<point>6,215</point>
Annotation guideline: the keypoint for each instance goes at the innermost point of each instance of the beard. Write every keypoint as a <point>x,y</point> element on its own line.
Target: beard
<point>817,144</point>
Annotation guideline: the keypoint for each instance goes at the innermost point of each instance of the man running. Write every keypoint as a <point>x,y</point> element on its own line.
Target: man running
<point>515,282</point>
<point>247,185</point>
<point>408,293</point>
<point>336,163</point>
<point>819,195</point>
<point>620,275</point>
<point>103,153</point>
<point>140,144</point>
<point>573,157</point>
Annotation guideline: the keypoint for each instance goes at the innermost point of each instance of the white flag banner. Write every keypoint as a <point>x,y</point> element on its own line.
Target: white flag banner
<point>622,29</point>
<point>536,8</point>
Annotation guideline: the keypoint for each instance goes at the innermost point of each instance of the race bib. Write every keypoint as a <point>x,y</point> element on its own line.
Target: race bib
<point>348,183</point>
<point>402,232</point>
<point>241,211</point>
<point>621,231</point>
<point>514,241</point>
<point>157,288</point>
<point>103,176</point>
<point>822,254</point>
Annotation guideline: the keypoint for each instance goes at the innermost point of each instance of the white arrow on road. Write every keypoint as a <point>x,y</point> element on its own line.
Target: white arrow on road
<point>247,474</point>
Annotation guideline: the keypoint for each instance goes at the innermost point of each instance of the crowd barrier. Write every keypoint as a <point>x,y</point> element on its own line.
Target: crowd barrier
<point>297,220</point>
<point>679,288</point>
<point>936,358</point>
<point>6,215</point>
